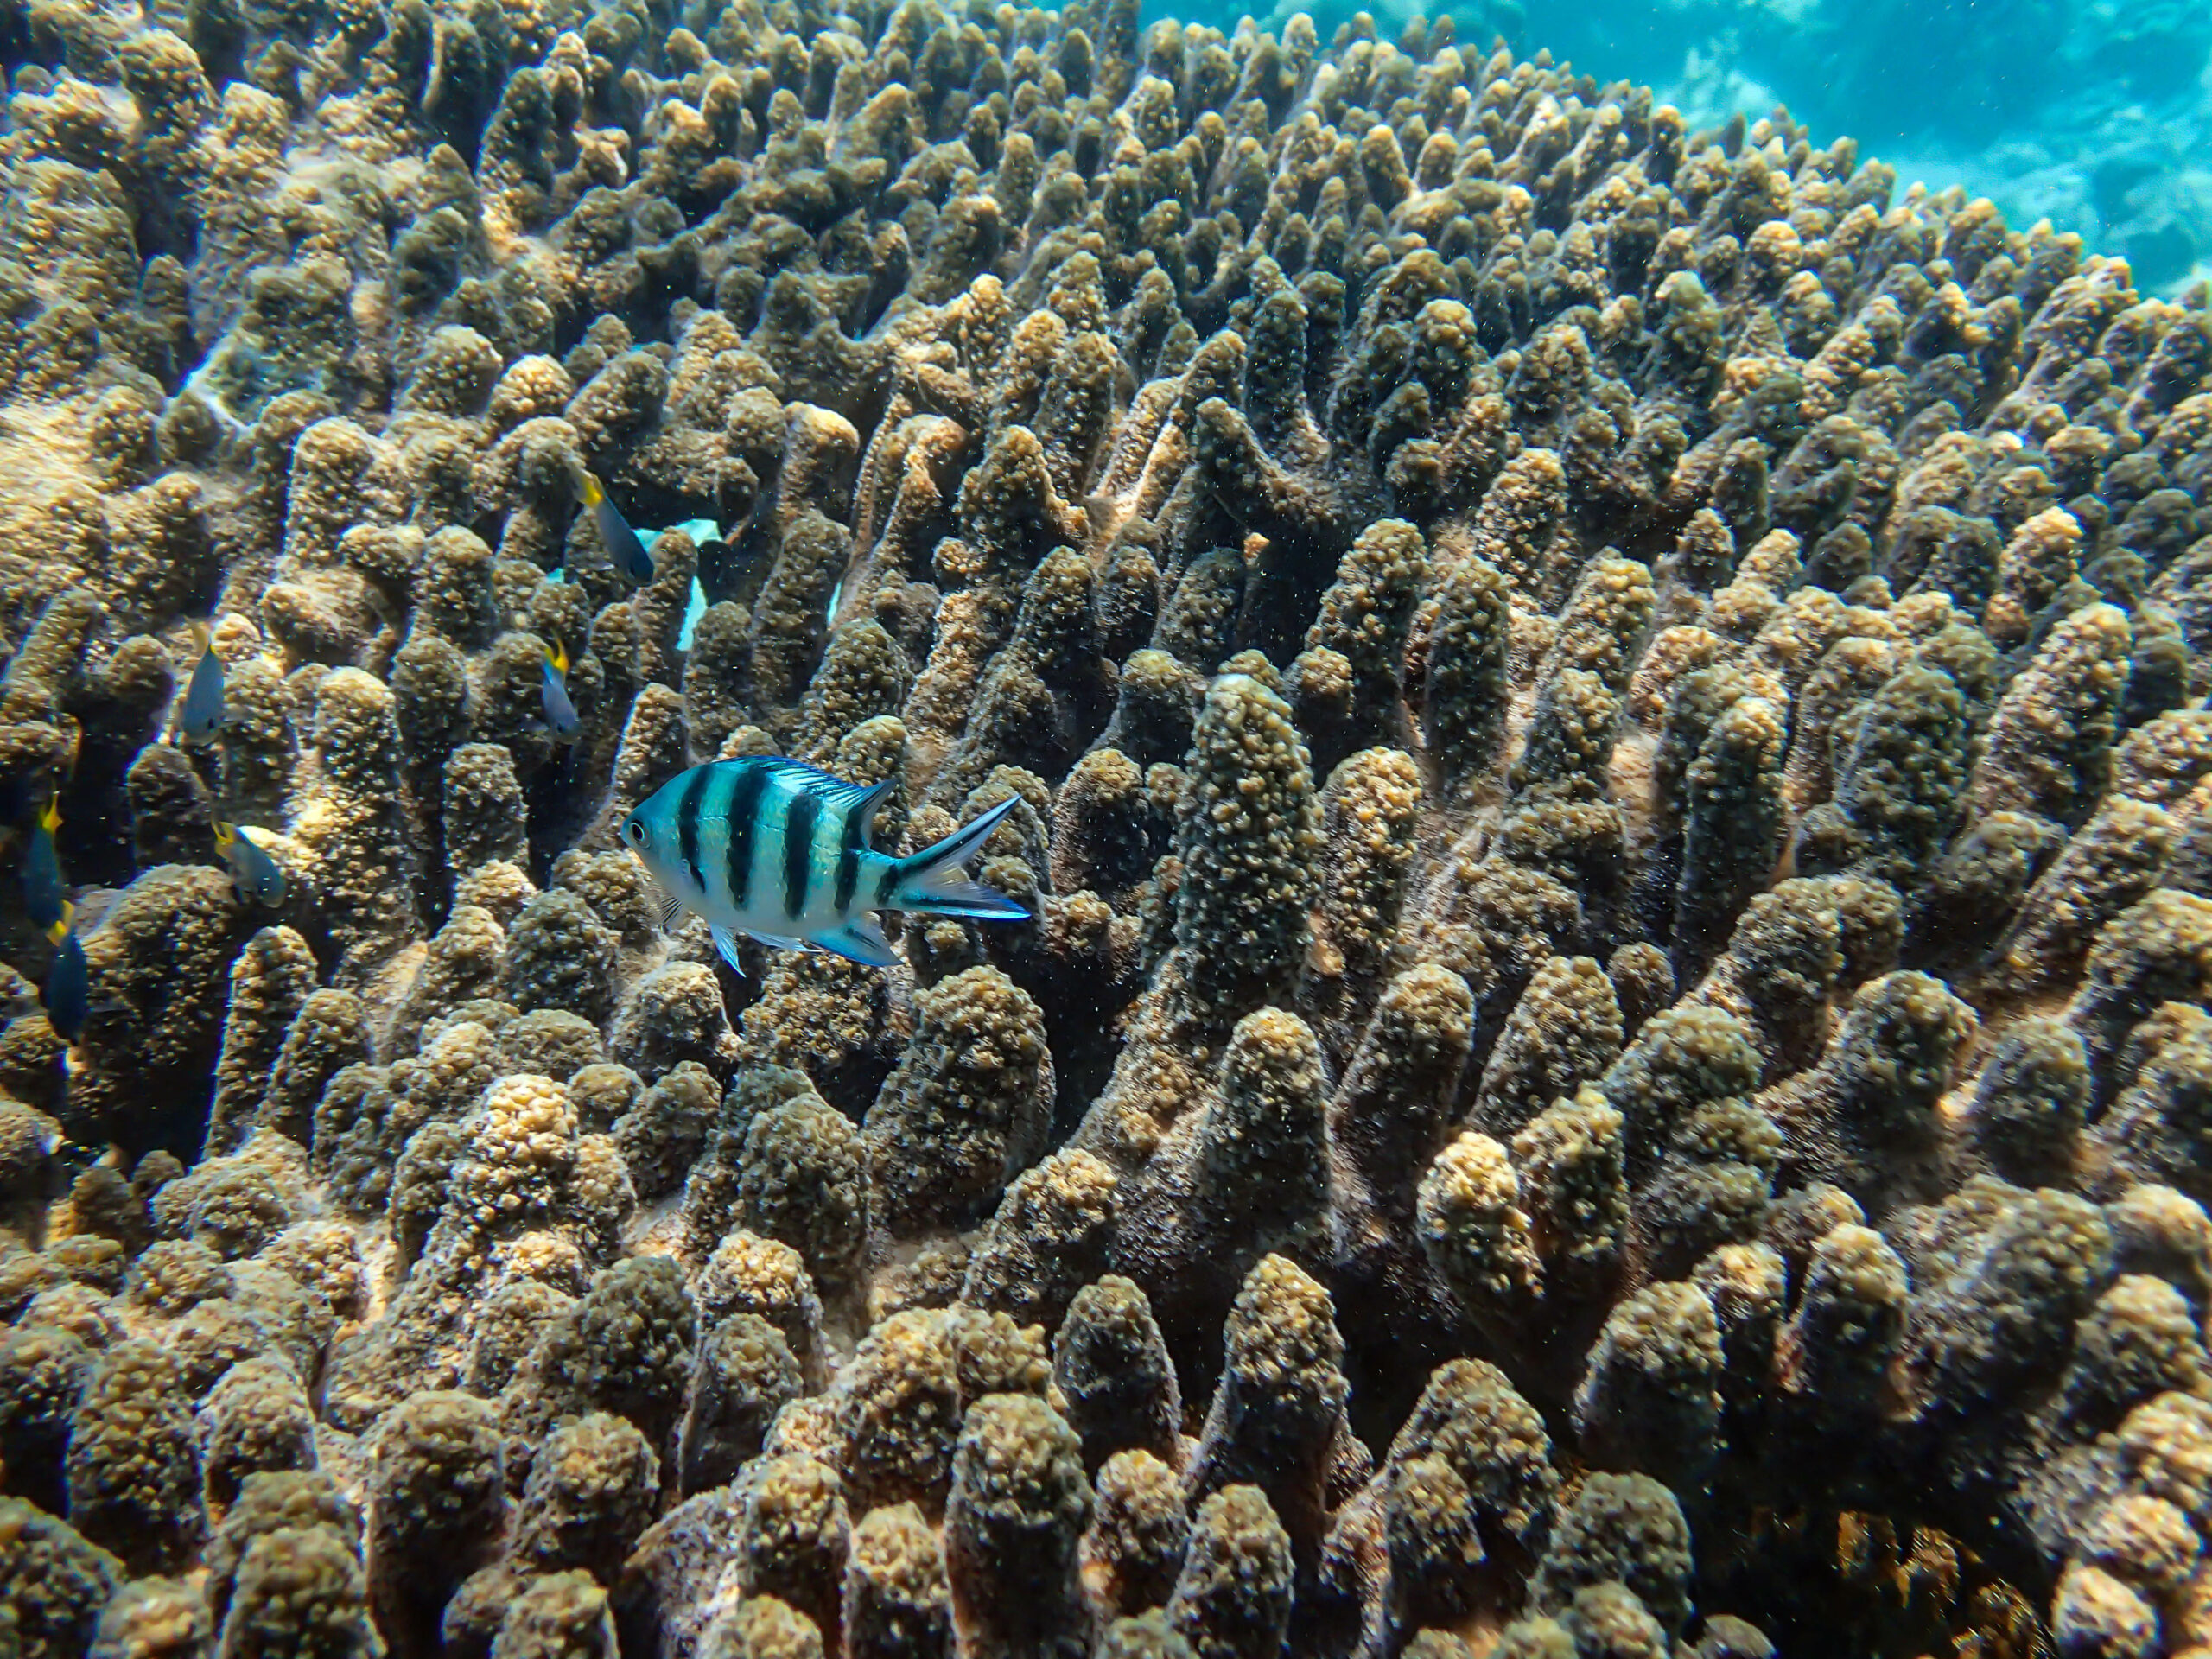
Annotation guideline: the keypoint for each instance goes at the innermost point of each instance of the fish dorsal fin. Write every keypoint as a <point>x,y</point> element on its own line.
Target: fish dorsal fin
<point>826,785</point>
<point>839,793</point>
<point>863,809</point>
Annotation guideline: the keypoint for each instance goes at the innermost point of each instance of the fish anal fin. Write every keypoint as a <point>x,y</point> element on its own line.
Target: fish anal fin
<point>726,942</point>
<point>860,940</point>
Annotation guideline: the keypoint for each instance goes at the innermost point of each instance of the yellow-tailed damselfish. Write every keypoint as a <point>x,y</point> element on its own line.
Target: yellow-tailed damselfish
<point>258,876</point>
<point>68,988</point>
<point>201,716</point>
<point>553,693</point>
<point>622,544</point>
<point>45,893</point>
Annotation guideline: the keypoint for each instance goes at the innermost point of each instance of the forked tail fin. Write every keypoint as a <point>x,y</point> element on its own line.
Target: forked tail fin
<point>931,883</point>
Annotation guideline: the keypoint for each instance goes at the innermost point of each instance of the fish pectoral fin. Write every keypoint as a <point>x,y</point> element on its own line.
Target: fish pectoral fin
<point>670,909</point>
<point>861,940</point>
<point>726,942</point>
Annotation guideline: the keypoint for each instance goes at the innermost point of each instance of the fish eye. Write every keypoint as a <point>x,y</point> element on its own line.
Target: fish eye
<point>636,832</point>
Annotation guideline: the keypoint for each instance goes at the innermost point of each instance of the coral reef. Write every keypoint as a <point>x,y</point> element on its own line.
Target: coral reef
<point>1603,734</point>
<point>2095,112</point>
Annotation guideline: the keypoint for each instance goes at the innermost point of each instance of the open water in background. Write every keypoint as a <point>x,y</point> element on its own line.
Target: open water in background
<point>2096,114</point>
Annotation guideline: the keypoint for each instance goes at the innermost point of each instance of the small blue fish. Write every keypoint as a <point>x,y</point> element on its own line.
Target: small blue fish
<point>203,715</point>
<point>45,893</point>
<point>67,995</point>
<point>622,544</point>
<point>553,692</point>
<point>780,850</point>
<point>255,873</point>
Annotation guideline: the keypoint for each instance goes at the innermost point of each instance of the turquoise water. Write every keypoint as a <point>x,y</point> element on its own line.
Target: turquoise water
<point>2094,113</point>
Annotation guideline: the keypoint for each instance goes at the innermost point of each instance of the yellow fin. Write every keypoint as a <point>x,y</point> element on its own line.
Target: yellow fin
<point>49,816</point>
<point>595,492</point>
<point>59,930</point>
<point>225,835</point>
<point>558,657</point>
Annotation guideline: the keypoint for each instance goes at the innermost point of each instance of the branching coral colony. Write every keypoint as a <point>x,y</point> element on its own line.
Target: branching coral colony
<point>1603,735</point>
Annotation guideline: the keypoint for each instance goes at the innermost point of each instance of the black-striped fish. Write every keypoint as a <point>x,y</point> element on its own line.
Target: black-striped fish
<point>780,850</point>
<point>622,544</point>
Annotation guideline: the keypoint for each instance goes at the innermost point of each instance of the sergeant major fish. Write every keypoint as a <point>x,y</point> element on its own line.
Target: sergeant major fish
<point>622,544</point>
<point>553,693</point>
<point>254,871</point>
<point>201,716</point>
<point>780,850</point>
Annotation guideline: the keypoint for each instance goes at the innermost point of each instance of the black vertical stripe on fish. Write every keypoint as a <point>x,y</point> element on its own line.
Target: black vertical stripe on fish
<point>744,809</point>
<point>849,859</point>
<point>886,881</point>
<point>687,823</point>
<point>799,849</point>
